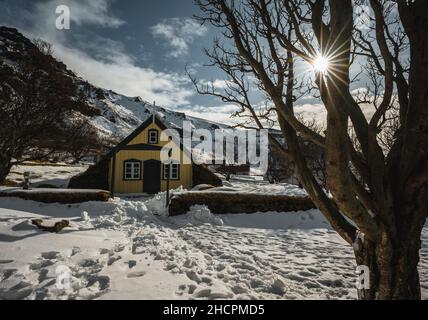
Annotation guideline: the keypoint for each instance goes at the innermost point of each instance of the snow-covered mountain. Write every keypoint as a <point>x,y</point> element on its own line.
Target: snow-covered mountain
<point>113,114</point>
<point>119,114</point>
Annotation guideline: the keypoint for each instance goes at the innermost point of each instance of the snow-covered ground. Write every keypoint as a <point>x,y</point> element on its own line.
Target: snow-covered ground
<point>128,249</point>
<point>120,250</point>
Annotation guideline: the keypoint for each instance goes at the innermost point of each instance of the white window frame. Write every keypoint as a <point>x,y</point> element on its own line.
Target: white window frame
<point>153,139</point>
<point>135,170</point>
<point>175,175</point>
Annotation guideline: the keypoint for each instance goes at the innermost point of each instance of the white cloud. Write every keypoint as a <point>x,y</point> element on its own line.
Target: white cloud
<point>124,77</point>
<point>89,12</point>
<point>108,65</point>
<point>218,84</point>
<point>95,12</point>
<point>220,114</point>
<point>179,34</point>
<point>318,112</point>
<point>227,108</point>
<point>315,111</point>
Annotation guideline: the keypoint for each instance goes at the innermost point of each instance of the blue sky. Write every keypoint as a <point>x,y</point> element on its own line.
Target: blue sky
<point>132,47</point>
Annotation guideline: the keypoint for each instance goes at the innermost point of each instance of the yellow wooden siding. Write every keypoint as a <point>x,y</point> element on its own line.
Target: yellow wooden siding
<point>123,186</point>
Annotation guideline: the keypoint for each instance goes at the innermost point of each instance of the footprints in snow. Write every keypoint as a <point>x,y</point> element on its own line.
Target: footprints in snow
<point>136,274</point>
<point>6,261</point>
<point>253,264</point>
<point>17,286</point>
<point>83,278</point>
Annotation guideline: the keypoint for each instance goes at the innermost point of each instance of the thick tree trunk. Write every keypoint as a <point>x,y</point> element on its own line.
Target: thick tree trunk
<point>5,166</point>
<point>393,260</point>
<point>393,267</point>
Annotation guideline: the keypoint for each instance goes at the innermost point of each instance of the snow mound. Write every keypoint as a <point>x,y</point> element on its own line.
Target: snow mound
<point>85,216</point>
<point>157,204</point>
<point>201,214</point>
<point>202,187</point>
<point>123,213</point>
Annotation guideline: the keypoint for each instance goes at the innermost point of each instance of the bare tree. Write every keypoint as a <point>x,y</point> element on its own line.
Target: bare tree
<point>379,199</point>
<point>43,46</point>
<point>80,139</point>
<point>282,169</point>
<point>35,96</point>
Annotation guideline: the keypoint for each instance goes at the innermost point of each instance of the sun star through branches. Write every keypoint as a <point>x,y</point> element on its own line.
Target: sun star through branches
<point>321,64</point>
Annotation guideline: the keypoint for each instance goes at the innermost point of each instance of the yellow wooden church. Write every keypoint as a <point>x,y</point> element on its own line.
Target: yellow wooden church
<point>136,167</point>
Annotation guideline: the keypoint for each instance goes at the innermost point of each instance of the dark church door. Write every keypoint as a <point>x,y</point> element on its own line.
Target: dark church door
<point>152,176</point>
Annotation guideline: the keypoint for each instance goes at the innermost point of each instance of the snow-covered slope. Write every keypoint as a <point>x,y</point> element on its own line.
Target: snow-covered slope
<point>121,114</point>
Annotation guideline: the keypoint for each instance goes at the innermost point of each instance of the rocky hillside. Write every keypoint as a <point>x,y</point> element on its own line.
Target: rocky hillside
<point>16,50</point>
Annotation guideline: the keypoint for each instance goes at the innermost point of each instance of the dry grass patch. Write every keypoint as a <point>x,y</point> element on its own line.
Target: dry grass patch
<point>235,203</point>
<point>58,196</point>
<point>10,183</point>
